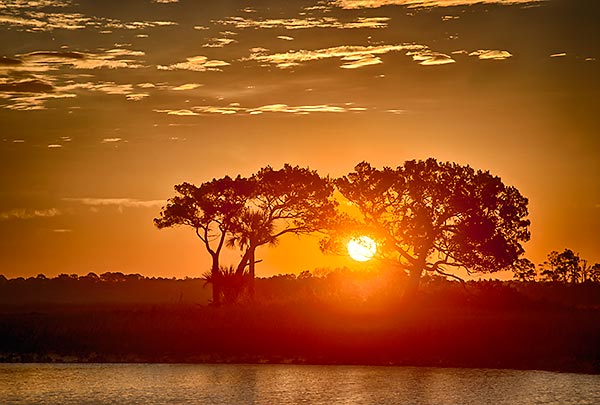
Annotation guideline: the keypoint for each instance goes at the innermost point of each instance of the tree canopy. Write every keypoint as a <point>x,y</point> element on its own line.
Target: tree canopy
<point>247,213</point>
<point>290,200</point>
<point>434,216</point>
<point>211,210</point>
<point>568,267</point>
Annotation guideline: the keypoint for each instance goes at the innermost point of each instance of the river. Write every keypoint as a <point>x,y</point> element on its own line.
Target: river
<point>287,384</point>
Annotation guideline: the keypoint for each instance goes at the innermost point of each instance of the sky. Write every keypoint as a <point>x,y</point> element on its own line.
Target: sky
<point>105,105</point>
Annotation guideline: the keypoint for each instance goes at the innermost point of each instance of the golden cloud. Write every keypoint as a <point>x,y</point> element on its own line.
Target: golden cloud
<point>303,23</point>
<point>349,53</point>
<point>235,108</point>
<point>196,64</point>
<point>354,4</point>
<point>22,213</point>
<point>491,54</point>
<point>429,58</point>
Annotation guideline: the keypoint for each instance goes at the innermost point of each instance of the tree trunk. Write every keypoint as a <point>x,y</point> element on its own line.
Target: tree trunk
<point>252,268</point>
<point>239,271</point>
<point>414,279</point>
<point>216,282</point>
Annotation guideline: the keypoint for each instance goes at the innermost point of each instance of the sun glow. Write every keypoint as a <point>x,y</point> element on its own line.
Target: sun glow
<point>362,248</point>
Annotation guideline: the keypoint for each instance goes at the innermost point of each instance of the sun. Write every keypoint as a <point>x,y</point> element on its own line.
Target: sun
<point>362,248</point>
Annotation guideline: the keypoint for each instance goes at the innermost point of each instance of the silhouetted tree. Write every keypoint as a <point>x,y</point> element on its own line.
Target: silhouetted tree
<point>524,270</point>
<point>563,267</point>
<point>292,200</point>
<point>209,209</point>
<point>434,216</point>
<point>593,274</point>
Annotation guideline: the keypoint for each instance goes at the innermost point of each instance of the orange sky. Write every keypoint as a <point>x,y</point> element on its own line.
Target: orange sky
<point>104,106</point>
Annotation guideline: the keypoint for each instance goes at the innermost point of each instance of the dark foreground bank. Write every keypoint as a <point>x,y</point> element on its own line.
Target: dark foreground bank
<point>338,319</point>
<point>526,338</point>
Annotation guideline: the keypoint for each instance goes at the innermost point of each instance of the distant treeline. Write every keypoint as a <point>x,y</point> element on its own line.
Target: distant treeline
<point>106,288</point>
<point>378,289</point>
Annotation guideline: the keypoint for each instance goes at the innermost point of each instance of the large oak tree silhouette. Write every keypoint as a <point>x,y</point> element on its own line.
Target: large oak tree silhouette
<point>437,217</point>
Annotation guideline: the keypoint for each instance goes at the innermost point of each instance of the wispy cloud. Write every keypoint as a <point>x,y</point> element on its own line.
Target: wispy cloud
<point>303,23</point>
<point>111,140</point>
<point>28,94</point>
<point>353,4</point>
<point>236,108</point>
<point>358,61</point>
<point>491,54</point>
<point>136,96</point>
<point>25,86</point>
<point>196,64</point>
<point>218,42</point>
<point>43,15</point>
<point>177,112</point>
<point>44,61</point>
<point>429,58</point>
<point>350,54</point>
<point>112,59</point>
<point>187,86</point>
<point>23,213</point>
<point>116,202</point>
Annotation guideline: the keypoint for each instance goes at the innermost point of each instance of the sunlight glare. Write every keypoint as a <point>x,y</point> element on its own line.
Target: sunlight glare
<point>362,248</point>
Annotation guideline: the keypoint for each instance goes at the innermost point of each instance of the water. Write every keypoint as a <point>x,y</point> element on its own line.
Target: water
<point>287,384</point>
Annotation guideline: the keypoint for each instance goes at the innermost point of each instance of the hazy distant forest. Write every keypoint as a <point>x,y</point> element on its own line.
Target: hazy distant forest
<point>406,307</point>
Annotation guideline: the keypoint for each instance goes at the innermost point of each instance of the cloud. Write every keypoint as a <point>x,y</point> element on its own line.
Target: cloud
<point>354,4</point>
<point>177,112</point>
<point>17,4</point>
<point>111,59</point>
<point>54,146</point>
<point>356,56</point>
<point>303,109</point>
<point>165,1</point>
<point>187,86</point>
<point>26,86</point>
<point>218,42</point>
<point>31,101</point>
<point>40,15</point>
<point>40,21</point>
<point>235,108</point>
<point>103,87</point>
<point>429,58</point>
<point>354,62</point>
<point>44,61</point>
<point>116,202</point>
<point>62,230</point>
<point>196,64</point>
<point>136,96</point>
<point>491,54</point>
<point>303,23</point>
<point>23,96</point>
<point>558,55</point>
<point>111,140</point>
<point>285,38</point>
<point>23,213</point>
